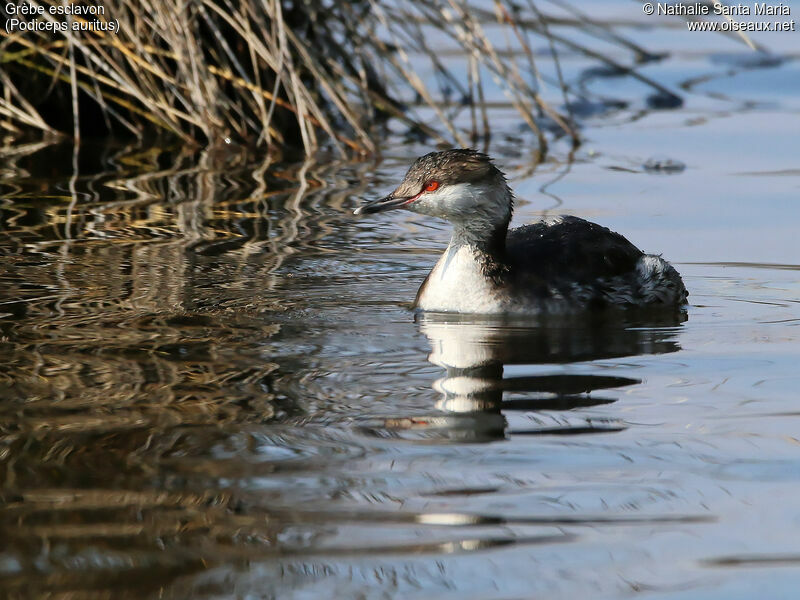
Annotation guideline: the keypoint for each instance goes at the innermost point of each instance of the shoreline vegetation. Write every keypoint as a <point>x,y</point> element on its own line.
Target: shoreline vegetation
<point>294,76</point>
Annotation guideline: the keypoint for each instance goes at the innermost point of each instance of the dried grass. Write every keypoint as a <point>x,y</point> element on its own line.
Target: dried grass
<point>321,73</point>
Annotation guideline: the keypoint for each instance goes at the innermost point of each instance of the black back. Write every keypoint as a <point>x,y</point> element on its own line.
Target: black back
<point>573,251</point>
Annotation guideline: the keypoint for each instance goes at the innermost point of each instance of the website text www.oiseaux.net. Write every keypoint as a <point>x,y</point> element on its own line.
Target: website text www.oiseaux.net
<point>741,26</point>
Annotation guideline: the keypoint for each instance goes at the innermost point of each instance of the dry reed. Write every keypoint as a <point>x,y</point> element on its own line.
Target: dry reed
<point>284,74</point>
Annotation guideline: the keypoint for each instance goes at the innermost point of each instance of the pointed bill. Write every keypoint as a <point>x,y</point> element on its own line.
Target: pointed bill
<point>387,203</point>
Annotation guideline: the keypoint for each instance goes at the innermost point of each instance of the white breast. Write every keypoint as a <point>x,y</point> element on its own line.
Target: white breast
<point>457,284</point>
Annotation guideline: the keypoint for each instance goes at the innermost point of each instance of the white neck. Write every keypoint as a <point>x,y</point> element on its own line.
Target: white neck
<point>459,284</point>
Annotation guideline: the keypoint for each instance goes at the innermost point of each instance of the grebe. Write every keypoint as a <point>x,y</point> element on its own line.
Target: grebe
<point>560,264</point>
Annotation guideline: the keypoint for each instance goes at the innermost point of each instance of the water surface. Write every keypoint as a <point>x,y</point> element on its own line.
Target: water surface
<point>213,385</point>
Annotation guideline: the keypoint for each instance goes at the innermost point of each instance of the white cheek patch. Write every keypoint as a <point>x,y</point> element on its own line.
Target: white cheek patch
<point>448,201</point>
<point>462,201</point>
<point>453,195</point>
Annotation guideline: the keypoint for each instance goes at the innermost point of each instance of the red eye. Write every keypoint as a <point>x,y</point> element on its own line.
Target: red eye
<point>432,186</point>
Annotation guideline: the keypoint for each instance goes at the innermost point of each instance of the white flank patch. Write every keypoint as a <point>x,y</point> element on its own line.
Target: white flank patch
<point>654,284</point>
<point>651,266</point>
<point>554,220</point>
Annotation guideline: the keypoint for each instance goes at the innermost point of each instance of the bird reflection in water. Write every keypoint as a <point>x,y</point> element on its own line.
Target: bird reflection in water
<point>475,398</point>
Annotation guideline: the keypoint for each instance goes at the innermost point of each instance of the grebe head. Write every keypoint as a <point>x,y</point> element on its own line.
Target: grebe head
<point>462,186</point>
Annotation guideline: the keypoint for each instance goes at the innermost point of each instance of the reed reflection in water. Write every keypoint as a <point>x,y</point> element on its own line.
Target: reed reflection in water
<point>168,329</point>
<point>212,386</point>
<point>139,319</point>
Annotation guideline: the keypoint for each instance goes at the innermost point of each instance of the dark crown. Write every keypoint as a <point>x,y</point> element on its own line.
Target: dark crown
<point>459,165</point>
